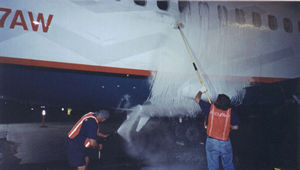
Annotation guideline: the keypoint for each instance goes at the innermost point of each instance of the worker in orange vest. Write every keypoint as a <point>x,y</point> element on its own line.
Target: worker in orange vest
<point>221,119</point>
<point>82,136</point>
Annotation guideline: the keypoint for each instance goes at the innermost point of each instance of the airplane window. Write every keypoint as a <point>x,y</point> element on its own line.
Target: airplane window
<point>287,25</point>
<point>182,5</point>
<point>222,14</point>
<point>140,2</point>
<point>163,4</point>
<point>256,19</point>
<point>272,22</point>
<point>240,16</point>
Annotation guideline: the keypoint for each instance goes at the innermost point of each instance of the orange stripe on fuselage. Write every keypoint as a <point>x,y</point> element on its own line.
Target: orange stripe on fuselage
<point>245,79</point>
<point>116,70</point>
<point>71,66</point>
<point>267,79</point>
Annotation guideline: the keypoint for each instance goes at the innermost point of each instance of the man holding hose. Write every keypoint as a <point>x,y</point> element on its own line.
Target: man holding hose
<point>83,136</point>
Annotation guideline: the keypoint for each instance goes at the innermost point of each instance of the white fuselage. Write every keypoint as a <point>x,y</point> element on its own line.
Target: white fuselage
<point>126,35</point>
<point>230,41</point>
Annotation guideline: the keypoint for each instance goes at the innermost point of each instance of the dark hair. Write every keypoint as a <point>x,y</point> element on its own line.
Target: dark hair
<point>223,102</point>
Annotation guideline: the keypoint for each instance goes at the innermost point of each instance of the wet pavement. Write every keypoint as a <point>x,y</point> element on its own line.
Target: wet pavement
<point>268,138</point>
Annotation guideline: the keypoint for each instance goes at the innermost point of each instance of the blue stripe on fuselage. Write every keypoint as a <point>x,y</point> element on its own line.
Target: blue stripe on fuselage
<point>70,88</point>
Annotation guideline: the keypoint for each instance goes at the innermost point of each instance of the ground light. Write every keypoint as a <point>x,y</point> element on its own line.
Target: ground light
<point>69,111</point>
<point>43,118</point>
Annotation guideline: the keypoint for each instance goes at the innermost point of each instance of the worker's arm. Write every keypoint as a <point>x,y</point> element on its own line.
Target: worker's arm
<point>92,126</point>
<point>234,120</point>
<point>198,97</point>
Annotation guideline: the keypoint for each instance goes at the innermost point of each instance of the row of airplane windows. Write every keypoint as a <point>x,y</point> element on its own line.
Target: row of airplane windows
<point>271,19</point>
<point>239,15</point>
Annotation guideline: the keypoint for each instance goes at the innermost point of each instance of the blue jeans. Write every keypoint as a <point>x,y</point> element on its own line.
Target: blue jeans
<point>215,148</point>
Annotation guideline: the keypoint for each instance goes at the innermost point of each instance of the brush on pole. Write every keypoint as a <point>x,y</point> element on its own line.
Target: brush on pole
<point>179,26</point>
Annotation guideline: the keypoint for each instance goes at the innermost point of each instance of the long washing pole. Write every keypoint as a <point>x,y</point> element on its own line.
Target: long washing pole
<point>192,59</point>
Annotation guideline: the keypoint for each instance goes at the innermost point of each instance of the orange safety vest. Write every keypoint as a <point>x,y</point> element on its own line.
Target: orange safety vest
<point>76,128</point>
<point>218,123</point>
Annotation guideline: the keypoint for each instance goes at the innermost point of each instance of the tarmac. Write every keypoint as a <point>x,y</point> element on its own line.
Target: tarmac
<point>268,138</point>
<point>29,146</point>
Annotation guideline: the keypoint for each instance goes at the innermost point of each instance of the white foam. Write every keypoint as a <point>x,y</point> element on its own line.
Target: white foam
<point>175,83</point>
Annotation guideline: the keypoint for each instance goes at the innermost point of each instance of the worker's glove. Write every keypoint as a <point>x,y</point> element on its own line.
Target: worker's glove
<point>203,89</point>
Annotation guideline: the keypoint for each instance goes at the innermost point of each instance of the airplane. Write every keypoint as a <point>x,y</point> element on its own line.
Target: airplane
<point>130,55</point>
<point>111,54</point>
<point>123,53</point>
<point>100,53</point>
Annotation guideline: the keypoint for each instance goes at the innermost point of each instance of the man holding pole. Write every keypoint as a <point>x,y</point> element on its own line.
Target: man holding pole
<point>220,120</point>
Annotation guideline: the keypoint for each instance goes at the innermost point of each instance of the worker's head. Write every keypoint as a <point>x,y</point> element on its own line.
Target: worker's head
<point>223,102</point>
<point>101,115</point>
